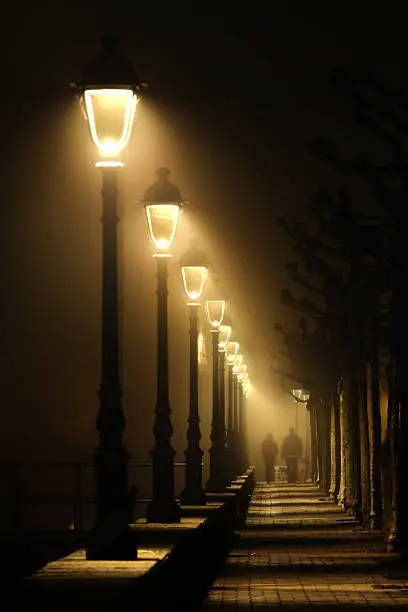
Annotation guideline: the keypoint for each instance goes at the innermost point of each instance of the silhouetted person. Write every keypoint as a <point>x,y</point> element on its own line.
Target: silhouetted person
<point>269,452</point>
<point>162,191</point>
<point>291,452</point>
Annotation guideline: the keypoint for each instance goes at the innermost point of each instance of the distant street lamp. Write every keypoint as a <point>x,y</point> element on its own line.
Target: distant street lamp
<point>231,352</point>
<point>108,91</point>
<point>162,203</point>
<point>303,396</point>
<point>194,273</point>
<point>247,387</point>
<point>215,312</point>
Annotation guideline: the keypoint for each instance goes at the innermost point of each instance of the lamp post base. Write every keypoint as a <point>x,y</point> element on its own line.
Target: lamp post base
<point>111,538</point>
<point>111,483</point>
<point>163,508</point>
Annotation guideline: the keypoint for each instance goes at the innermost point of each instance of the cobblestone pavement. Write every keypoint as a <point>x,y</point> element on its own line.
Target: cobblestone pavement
<point>299,549</point>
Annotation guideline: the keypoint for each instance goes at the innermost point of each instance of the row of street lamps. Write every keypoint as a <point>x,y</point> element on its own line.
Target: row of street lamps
<point>109,91</point>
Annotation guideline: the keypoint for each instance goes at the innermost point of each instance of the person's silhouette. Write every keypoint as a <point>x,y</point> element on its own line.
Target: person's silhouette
<point>269,452</point>
<point>291,452</point>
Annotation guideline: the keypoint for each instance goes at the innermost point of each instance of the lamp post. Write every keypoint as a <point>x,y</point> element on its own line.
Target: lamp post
<point>215,313</point>
<point>247,390</point>
<point>108,91</point>
<point>162,203</point>
<point>237,453</point>
<point>303,396</point>
<point>194,272</point>
<point>225,332</point>
<point>230,356</point>
<point>242,445</point>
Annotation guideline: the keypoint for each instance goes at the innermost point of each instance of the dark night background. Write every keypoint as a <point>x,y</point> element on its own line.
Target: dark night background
<point>235,97</point>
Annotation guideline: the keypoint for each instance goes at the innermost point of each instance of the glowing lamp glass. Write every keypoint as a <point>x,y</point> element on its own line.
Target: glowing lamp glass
<point>162,221</point>
<point>231,351</point>
<point>237,364</point>
<point>215,312</point>
<point>110,114</point>
<point>194,279</point>
<point>225,332</point>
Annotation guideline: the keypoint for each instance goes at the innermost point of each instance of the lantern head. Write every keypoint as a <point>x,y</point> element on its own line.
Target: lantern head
<point>108,92</point>
<point>231,351</point>
<point>215,312</point>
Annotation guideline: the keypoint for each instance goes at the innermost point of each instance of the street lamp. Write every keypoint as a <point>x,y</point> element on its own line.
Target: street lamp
<point>108,91</point>
<point>225,332</point>
<point>303,396</point>
<point>242,443</point>
<point>215,313</point>
<point>235,370</point>
<point>194,274</point>
<point>231,352</point>
<point>162,202</point>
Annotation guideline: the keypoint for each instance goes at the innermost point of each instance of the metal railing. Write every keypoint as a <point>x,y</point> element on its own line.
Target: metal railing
<point>60,495</point>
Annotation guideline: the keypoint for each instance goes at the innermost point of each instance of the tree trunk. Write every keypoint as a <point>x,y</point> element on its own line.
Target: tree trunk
<point>398,538</point>
<point>395,535</point>
<point>324,444</point>
<point>347,481</point>
<point>364,451</point>
<point>337,435</point>
<point>313,444</point>
<point>355,449</point>
<point>376,514</point>
<point>333,445</point>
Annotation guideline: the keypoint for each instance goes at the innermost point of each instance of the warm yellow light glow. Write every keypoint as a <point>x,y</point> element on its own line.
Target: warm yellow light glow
<point>231,352</point>
<point>247,387</point>
<point>109,164</point>
<point>237,364</point>
<point>215,311</point>
<point>241,373</point>
<point>225,332</point>
<point>162,221</point>
<point>194,279</point>
<point>110,114</point>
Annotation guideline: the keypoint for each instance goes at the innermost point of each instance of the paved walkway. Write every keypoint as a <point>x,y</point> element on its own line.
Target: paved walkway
<point>297,550</point>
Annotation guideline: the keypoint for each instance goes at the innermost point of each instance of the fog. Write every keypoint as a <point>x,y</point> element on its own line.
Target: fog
<point>54,332</point>
<point>232,126</point>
